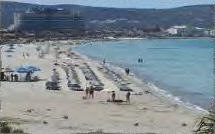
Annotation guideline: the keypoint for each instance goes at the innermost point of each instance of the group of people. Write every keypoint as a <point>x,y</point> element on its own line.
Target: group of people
<point>140,60</point>
<point>10,77</point>
<point>89,92</point>
<point>14,77</point>
<point>113,97</point>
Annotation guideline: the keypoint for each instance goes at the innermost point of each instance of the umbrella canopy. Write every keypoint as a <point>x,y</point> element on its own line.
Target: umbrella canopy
<point>22,70</point>
<point>32,68</point>
<point>26,69</point>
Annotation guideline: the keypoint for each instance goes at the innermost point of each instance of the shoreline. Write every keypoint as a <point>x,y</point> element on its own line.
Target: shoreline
<point>30,104</point>
<point>27,40</point>
<point>161,93</point>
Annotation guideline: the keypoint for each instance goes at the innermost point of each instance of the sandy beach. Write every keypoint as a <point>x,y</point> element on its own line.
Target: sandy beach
<point>29,104</point>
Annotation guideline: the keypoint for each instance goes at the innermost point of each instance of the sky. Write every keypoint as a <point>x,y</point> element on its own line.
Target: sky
<point>124,3</point>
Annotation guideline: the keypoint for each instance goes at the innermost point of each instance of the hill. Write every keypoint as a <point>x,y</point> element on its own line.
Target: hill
<point>124,18</point>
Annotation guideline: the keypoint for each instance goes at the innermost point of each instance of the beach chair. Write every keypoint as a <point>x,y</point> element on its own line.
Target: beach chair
<point>75,87</point>
<point>35,78</point>
<point>52,85</point>
<point>125,88</point>
<point>98,87</point>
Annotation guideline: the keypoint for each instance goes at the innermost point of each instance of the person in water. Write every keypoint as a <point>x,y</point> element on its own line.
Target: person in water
<point>140,60</point>
<point>127,71</point>
<point>128,97</point>
<point>104,62</point>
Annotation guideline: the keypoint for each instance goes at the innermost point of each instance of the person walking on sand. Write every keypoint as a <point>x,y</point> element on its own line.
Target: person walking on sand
<point>113,96</point>
<point>91,92</point>
<point>23,55</point>
<point>12,77</point>
<point>128,97</point>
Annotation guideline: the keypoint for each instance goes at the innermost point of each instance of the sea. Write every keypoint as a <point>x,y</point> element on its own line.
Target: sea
<point>179,68</point>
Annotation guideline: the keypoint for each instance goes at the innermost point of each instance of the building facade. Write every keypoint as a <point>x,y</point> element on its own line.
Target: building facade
<point>55,21</point>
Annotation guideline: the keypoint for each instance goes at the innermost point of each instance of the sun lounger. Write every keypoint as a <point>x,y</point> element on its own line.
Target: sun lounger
<point>35,78</point>
<point>125,88</point>
<point>98,88</point>
<point>52,85</point>
<point>74,86</point>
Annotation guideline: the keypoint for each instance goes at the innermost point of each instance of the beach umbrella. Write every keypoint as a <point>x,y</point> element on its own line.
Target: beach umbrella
<point>27,68</point>
<point>22,70</point>
<point>32,68</point>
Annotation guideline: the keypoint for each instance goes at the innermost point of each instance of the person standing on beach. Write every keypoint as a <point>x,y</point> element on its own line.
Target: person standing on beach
<point>12,77</point>
<point>91,92</point>
<point>128,97</point>
<point>87,92</point>
<point>23,55</point>
<point>113,96</point>
<point>16,78</point>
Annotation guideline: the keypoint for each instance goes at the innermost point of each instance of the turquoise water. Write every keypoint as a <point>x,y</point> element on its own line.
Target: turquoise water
<point>182,67</point>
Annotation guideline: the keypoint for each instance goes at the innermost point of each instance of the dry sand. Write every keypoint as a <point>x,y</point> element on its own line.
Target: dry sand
<point>30,104</point>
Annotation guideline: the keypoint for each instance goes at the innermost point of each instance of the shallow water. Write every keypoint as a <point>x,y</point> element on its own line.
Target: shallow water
<point>182,67</point>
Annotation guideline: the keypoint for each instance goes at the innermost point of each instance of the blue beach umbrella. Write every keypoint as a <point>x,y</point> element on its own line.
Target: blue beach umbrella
<point>32,68</point>
<point>26,69</point>
<point>22,70</point>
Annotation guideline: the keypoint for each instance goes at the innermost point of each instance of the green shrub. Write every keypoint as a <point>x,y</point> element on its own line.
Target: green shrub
<point>6,129</point>
<point>19,131</point>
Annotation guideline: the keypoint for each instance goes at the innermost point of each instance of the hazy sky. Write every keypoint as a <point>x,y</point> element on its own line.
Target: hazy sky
<point>125,3</point>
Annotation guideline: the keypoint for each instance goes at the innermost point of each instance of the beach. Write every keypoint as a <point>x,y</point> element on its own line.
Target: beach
<point>41,111</point>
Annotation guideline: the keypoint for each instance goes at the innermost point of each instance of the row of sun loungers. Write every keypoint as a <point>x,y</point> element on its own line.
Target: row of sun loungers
<point>72,77</point>
<point>89,74</point>
<point>74,82</point>
<point>92,77</point>
<point>120,82</point>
